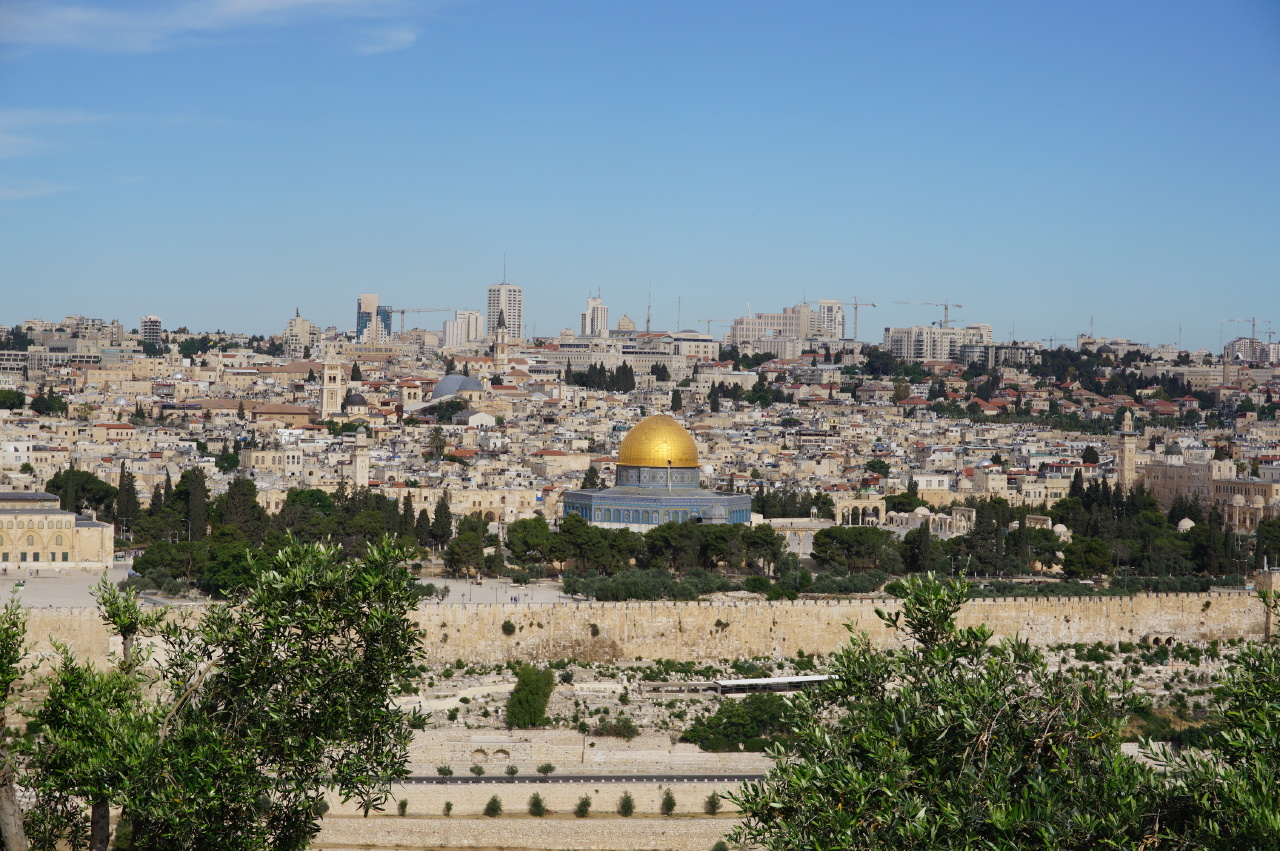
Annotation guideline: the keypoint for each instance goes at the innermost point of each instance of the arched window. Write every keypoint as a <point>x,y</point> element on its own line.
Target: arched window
<point>57,542</point>
<point>31,540</point>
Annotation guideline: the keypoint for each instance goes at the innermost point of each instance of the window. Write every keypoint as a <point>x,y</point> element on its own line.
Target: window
<point>24,557</point>
<point>64,555</point>
<point>35,556</point>
<point>4,556</point>
<point>58,541</point>
<point>31,540</point>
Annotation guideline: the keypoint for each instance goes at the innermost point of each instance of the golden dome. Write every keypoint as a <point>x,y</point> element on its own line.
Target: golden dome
<point>656,440</point>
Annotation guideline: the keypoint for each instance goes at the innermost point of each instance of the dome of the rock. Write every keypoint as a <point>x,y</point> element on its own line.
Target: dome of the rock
<point>658,441</point>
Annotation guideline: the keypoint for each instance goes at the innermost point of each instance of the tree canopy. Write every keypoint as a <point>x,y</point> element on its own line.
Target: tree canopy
<point>247,717</point>
<point>952,742</point>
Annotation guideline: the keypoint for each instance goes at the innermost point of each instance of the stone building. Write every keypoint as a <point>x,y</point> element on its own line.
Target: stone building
<point>35,532</point>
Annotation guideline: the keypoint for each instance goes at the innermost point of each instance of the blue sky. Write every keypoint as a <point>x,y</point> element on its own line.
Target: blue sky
<point>222,162</point>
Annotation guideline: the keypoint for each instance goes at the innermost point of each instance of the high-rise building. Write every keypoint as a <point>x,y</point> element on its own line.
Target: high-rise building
<point>796,323</point>
<point>151,330</point>
<point>507,299</point>
<point>926,342</point>
<point>831,319</point>
<point>595,319</point>
<point>373,321</point>
<point>301,338</point>
<point>467,326</point>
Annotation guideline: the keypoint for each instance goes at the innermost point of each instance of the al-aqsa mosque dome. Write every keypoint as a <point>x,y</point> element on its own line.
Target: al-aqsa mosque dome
<point>657,482</point>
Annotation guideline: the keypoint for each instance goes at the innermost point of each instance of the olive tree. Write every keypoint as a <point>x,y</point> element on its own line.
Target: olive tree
<point>951,743</point>
<point>254,712</point>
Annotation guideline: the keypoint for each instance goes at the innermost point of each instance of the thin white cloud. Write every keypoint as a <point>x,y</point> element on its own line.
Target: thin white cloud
<point>154,25</point>
<point>18,190</point>
<point>388,40</point>
<point>20,128</point>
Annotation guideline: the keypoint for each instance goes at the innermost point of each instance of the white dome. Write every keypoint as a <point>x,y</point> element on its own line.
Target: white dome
<point>1185,523</point>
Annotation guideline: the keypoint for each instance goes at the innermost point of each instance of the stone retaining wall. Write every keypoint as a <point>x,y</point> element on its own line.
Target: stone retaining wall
<point>591,834</point>
<point>710,631</point>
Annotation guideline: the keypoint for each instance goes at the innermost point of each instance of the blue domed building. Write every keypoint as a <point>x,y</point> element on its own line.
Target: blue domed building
<point>657,482</point>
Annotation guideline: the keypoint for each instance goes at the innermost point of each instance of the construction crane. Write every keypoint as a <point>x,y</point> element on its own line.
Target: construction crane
<point>945,305</point>
<point>1253,332</point>
<point>403,310</point>
<point>855,304</point>
<point>709,321</point>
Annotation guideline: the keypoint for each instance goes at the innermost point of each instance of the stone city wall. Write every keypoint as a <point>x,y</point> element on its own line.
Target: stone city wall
<point>709,631</point>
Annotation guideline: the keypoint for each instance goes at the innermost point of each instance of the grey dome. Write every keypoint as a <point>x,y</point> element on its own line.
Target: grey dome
<point>455,383</point>
<point>357,399</point>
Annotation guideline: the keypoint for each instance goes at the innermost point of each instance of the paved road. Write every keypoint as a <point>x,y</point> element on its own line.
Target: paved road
<point>589,778</point>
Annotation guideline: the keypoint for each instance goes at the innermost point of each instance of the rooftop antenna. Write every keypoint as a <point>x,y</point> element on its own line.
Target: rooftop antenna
<point>504,267</point>
<point>679,305</point>
<point>648,311</point>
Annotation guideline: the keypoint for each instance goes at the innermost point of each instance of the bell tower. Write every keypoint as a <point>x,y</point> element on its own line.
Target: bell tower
<point>333,384</point>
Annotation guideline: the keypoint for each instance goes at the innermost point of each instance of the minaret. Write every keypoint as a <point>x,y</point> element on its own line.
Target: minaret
<point>333,385</point>
<point>360,460</point>
<point>1126,459</point>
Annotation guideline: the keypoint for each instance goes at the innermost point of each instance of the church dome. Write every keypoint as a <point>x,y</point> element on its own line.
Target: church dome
<point>455,383</point>
<point>656,442</point>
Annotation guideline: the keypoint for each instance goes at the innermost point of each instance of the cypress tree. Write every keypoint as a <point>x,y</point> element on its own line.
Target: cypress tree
<point>422,529</point>
<point>442,523</point>
<point>127,506</point>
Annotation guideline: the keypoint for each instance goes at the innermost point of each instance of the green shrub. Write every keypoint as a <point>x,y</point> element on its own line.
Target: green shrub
<point>620,727</point>
<point>545,769</point>
<point>508,628</point>
<point>668,803</point>
<point>402,806</point>
<point>711,806</point>
<point>720,845</point>
<point>584,807</point>
<point>476,769</point>
<point>444,771</point>
<point>511,771</point>
<point>494,807</point>
<point>536,806</point>
<point>448,808</point>
<point>752,722</point>
<point>626,805</point>
<point>527,706</point>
